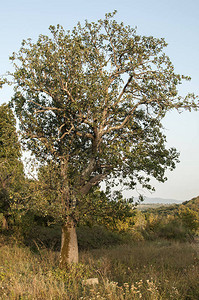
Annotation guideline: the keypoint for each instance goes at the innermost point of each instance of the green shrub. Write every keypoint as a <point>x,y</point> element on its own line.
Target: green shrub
<point>97,237</point>
<point>173,230</point>
<point>189,218</point>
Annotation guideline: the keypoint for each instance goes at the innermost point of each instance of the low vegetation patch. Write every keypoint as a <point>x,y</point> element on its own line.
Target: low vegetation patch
<point>142,270</point>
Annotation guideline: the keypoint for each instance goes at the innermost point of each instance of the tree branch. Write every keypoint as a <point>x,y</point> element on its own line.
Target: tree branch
<point>93,181</point>
<point>124,89</point>
<point>117,127</point>
<point>88,170</point>
<point>45,107</point>
<point>65,88</point>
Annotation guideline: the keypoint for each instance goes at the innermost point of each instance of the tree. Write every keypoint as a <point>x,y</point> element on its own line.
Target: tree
<point>189,218</point>
<point>11,167</point>
<point>96,209</point>
<point>91,101</point>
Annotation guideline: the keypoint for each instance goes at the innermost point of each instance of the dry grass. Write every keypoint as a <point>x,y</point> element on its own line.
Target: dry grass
<point>148,270</point>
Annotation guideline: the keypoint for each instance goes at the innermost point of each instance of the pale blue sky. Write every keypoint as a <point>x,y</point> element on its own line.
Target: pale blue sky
<point>175,20</point>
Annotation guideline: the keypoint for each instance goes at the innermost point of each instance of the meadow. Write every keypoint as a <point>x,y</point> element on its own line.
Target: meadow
<point>159,269</point>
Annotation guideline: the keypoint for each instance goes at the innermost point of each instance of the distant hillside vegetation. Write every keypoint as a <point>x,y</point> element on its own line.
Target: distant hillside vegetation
<point>192,204</point>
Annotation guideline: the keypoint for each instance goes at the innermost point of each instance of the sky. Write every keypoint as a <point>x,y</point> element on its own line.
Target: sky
<point>175,20</point>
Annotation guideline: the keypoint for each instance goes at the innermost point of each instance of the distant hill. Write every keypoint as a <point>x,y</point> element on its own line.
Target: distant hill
<point>162,201</point>
<point>148,200</point>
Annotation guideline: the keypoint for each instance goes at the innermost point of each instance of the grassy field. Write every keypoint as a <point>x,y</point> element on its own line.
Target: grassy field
<point>145,270</point>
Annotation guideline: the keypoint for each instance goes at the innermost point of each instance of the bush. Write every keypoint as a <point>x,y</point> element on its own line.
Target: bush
<point>189,218</point>
<point>97,237</point>
<point>173,230</point>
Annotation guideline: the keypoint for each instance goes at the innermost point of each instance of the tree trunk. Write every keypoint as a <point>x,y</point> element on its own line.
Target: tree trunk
<point>4,223</point>
<point>69,245</point>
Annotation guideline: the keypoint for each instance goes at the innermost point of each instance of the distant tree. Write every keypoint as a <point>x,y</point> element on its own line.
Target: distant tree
<point>11,167</point>
<point>189,218</point>
<point>92,100</point>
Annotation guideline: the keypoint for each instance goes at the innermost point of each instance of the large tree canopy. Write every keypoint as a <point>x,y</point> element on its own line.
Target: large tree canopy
<point>91,100</point>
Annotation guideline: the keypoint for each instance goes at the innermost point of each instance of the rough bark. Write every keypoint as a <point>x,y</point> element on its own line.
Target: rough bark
<point>69,245</point>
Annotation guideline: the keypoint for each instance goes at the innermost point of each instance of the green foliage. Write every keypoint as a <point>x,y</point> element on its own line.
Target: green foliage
<point>167,227</point>
<point>39,230</point>
<point>2,82</point>
<point>173,229</point>
<point>98,237</point>
<point>193,204</point>
<point>173,209</point>
<point>93,209</point>
<point>190,218</point>
<point>11,167</point>
<point>90,102</point>
<point>177,222</point>
<point>45,194</point>
<point>98,209</point>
